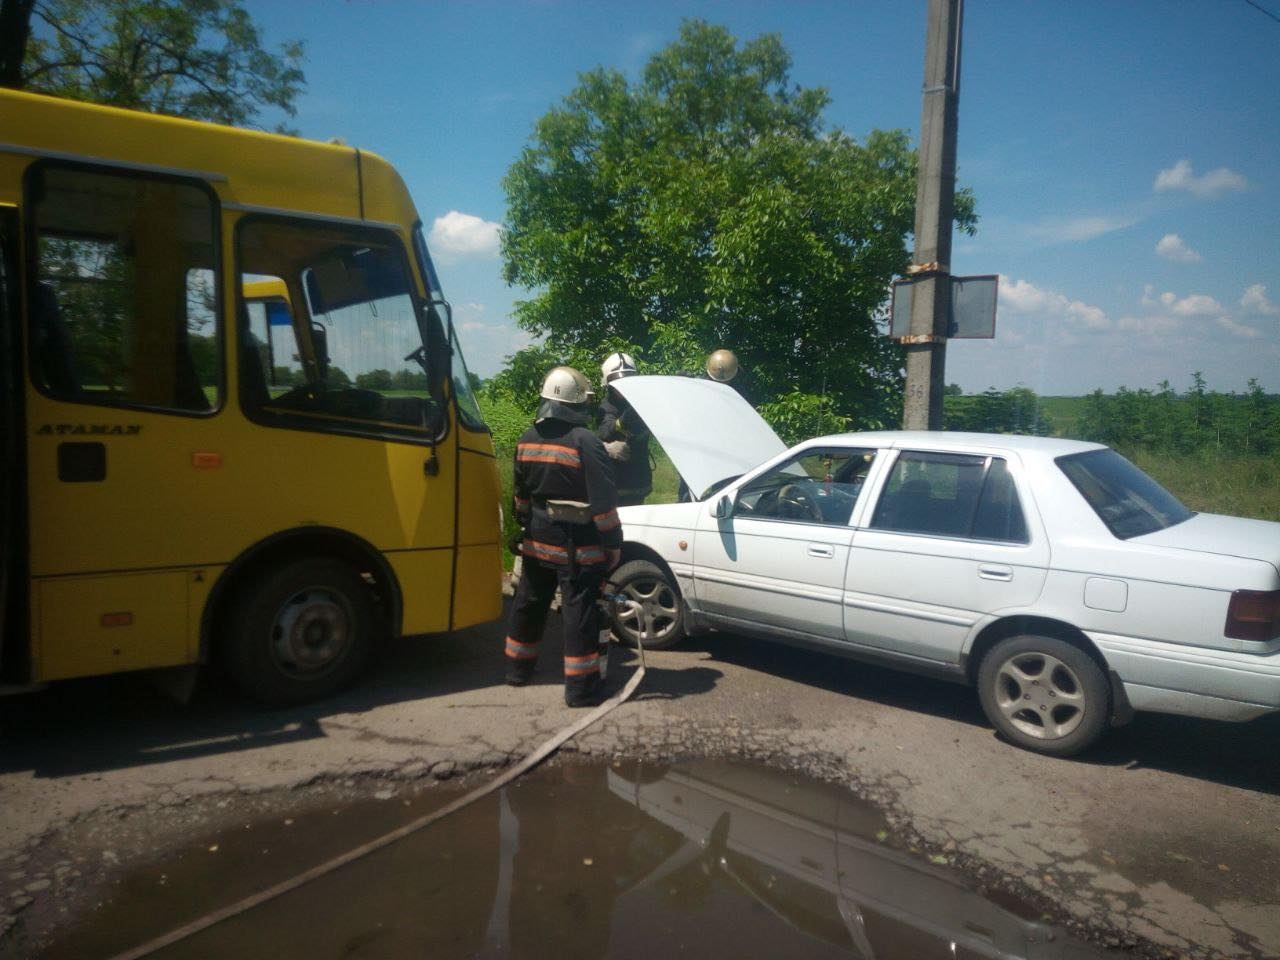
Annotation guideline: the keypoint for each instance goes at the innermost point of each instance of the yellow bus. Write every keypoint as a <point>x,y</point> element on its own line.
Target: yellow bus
<point>237,424</point>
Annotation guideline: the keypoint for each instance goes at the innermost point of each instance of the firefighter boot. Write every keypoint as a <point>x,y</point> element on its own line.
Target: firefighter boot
<point>583,692</point>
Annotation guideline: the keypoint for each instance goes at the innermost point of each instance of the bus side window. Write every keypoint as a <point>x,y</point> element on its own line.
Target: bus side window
<point>124,309</point>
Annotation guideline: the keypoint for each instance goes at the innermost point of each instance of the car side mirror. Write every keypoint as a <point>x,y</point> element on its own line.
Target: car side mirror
<point>723,509</point>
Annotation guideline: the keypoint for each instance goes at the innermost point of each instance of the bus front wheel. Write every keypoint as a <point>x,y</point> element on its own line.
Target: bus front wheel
<point>301,632</point>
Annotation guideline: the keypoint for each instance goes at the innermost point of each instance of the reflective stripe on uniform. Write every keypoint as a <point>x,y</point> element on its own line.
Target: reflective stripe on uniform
<point>548,453</point>
<point>546,551</point>
<point>607,520</point>
<point>551,553</point>
<point>582,666</point>
<point>521,651</point>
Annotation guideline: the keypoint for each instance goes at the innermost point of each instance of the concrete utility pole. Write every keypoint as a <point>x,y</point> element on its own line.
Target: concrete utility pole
<point>935,203</point>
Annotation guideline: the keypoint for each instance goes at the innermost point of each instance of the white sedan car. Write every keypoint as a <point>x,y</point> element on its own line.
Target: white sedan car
<point>1054,575</point>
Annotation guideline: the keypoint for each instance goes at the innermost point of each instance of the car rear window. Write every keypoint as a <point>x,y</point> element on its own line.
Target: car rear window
<point>1128,501</point>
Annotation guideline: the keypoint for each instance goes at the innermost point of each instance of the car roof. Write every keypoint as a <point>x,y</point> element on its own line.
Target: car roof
<point>1048,447</point>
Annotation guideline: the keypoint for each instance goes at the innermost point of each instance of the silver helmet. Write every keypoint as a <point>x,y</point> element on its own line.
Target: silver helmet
<point>617,365</point>
<point>722,366</point>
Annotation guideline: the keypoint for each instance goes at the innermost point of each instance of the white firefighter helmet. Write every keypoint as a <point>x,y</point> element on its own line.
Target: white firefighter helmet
<point>565,395</point>
<point>617,365</point>
<point>722,366</point>
<point>566,385</point>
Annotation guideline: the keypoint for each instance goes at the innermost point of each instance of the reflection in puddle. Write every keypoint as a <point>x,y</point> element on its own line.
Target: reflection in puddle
<point>710,858</point>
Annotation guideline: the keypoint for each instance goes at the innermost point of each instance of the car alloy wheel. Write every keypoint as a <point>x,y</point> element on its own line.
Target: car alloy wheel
<point>1044,694</point>
<point>653,598</point>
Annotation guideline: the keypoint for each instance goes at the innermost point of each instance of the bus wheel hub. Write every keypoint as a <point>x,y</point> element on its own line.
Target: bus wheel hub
<point>310,631</point>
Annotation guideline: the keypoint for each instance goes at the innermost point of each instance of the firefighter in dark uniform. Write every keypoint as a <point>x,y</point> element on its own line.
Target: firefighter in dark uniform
<point>566,502</point>
<point>625,436</point>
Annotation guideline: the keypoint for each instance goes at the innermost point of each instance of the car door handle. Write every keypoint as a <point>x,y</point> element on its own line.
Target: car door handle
<point>822,550</point>
<point>990,572</point>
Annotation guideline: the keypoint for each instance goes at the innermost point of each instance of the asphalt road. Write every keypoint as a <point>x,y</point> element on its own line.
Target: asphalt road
<point>1165,839</point>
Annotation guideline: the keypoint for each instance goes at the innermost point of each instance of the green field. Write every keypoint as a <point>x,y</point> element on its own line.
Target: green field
<point>1205,480</point>
<point>1240,486</point>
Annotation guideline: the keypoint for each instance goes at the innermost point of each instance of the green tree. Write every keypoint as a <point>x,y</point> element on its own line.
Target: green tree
<point>379,379</point>
<point>202,59</point>
<point>405,379</point>
<point>706,205</point>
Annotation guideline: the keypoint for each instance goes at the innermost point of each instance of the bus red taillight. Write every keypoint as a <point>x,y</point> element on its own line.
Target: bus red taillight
<point>1253,615</point>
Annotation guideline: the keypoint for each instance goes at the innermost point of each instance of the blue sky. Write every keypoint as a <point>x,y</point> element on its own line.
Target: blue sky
<point>1125,155</point>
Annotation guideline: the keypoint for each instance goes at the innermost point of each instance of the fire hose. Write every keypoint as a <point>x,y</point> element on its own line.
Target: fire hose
<point>644,623</point>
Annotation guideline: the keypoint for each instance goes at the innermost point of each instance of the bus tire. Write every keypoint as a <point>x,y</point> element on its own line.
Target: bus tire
<point>301,632</point>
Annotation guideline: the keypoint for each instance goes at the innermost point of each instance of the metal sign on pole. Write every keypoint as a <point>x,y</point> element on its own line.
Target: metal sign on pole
<point>972,314</point>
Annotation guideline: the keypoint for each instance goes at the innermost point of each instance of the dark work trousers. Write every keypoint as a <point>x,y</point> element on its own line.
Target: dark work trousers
<point>579,591</point>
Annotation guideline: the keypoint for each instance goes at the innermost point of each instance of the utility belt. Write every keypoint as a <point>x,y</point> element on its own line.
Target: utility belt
<point>565,511</point>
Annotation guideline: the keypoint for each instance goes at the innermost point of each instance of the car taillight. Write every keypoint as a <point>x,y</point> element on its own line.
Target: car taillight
<point>1253,615</point>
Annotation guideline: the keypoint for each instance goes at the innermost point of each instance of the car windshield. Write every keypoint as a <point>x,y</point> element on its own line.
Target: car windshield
<point>1128,501</point>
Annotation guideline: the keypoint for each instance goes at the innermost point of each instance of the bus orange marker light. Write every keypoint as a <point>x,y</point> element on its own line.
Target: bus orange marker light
<point>122,619</point>
<point>206,461</point>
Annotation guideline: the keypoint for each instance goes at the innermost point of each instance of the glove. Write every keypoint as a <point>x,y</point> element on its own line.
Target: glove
<point>516,541</point>
<point>618,450</point>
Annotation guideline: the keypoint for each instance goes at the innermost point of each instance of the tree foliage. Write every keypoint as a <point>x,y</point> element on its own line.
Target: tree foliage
<point>201,59</point>
<point>707,205</point>
<point>1198,421</point>
<point>1160,422</point>
<point>996,411</point>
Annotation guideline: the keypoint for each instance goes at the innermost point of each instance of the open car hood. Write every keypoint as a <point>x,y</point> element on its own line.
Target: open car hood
<point>707,429</point>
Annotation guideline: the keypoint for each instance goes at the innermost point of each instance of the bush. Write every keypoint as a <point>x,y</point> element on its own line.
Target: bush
<point>798,416</point>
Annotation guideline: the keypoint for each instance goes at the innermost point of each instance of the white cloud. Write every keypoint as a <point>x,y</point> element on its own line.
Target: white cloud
<point>1024,297</point>
<point>1208,185</point>
<point>1173,247</point>
<point>1193,305</point>
<point>1255,300</point>
<point>1077,229</point>
<point>1197,305</point>
<point>1157,324</point>
<point>1238,329</point>
<point>459,235</point>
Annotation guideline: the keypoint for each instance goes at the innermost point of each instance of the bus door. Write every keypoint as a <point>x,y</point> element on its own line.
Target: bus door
<point>126,379</point>
<point>345,365</point>
<point>13,639</point>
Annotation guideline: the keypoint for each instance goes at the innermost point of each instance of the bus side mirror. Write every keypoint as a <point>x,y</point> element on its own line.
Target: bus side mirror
<point>723,509</point>
<point>320,347</point>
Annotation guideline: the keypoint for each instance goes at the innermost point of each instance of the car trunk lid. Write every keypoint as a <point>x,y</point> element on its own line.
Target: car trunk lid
<point>1228,536</point>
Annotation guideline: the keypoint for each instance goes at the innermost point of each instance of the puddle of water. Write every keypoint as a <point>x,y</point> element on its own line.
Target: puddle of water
<point>707,858</point>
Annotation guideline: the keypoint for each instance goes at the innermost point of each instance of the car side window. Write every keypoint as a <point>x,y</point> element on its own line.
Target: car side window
<point>999,515</point>
<point>951,495</point>
<point>818,486</point>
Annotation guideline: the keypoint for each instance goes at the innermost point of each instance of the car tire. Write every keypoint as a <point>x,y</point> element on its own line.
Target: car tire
<point>302,632</point>
<point>1044,694</point>
<point>645,583</point>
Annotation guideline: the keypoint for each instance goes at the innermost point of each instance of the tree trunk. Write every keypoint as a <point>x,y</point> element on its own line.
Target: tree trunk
<point>15,26</point>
